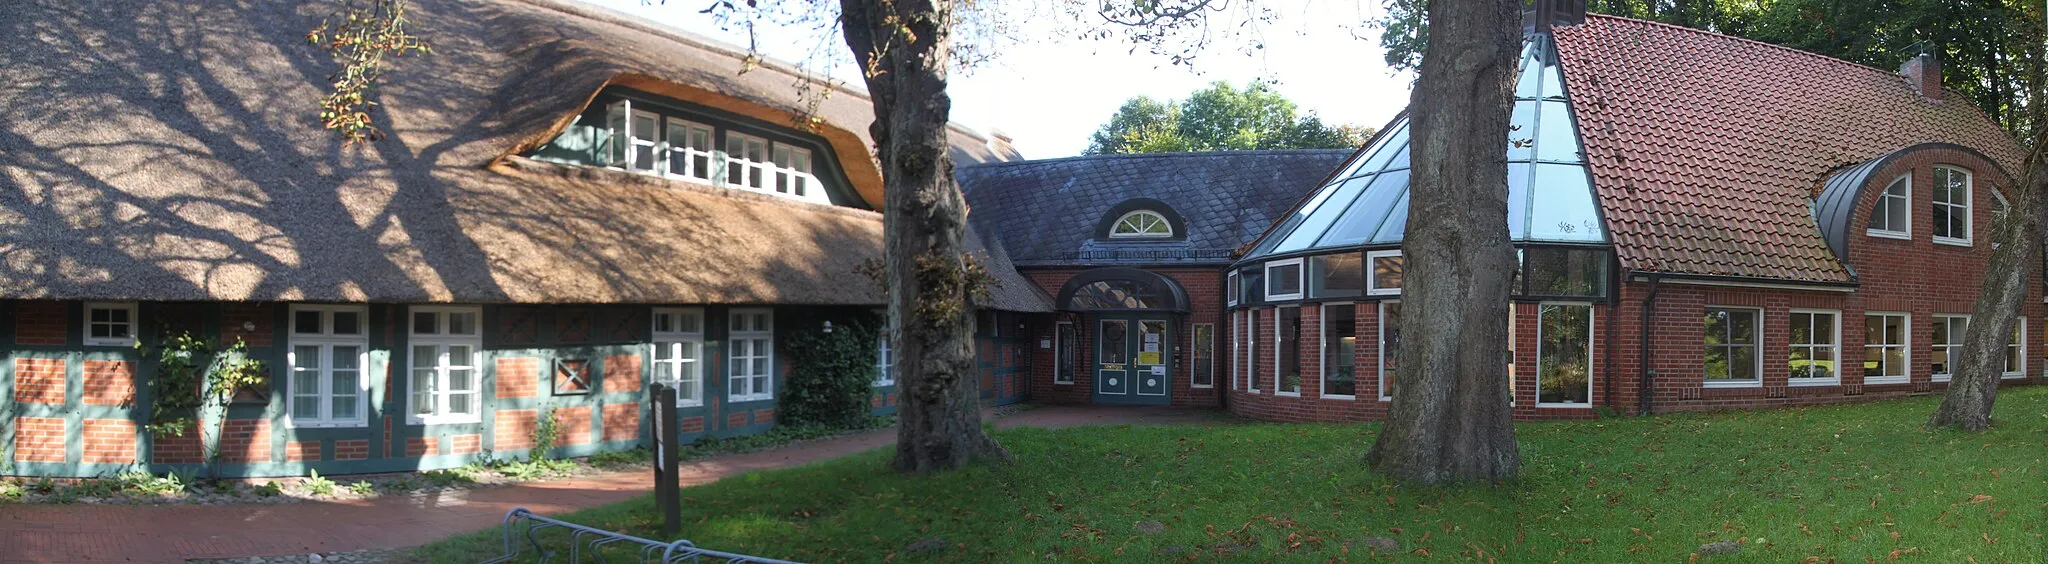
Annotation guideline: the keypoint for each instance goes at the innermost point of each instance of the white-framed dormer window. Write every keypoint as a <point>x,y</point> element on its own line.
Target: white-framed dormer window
<point>1283,279</point>
<point>750,355</point>
<point>2016,351</point>
<point>1816,356</point>
<point>679,352</point>
<point>1893,215</point>
<point>1948,345</point>
<point>1734,338</point>
<point>885,357</point>
<point>747,161</point>
<point>1141,224</point>
<point>691,152</point>
<point>327,360</point>
<point>443,363</point>
<point>1887,347</point>
<point>1952,187</point>
<point>793,171</point>
<point>636,142</point>
<point>1383,271</point>
<point>110,324</point>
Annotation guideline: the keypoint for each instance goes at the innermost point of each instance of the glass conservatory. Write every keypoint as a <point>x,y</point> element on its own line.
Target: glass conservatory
<point>1343,244</point>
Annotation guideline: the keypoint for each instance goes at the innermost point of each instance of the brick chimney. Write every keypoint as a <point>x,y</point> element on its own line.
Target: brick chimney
<point>1923,74</point>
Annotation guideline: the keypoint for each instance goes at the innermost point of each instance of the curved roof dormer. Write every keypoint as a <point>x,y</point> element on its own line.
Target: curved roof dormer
<point>1836,205</point>
<point>1141,220</point>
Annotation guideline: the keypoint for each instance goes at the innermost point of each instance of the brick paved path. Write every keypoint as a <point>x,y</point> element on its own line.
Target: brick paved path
<point>173,533</point>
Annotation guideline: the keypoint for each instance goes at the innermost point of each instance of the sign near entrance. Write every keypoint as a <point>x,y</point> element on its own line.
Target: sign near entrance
<point>1149,357</point>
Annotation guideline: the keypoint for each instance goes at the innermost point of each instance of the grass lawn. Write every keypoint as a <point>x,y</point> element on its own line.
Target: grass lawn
<point>1854,483</point>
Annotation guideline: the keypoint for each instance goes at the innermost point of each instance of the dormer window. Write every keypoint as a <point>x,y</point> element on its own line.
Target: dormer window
<point>1141,224</point>
<point>652,139</point>
<point>1893,216</point>
<point>690,149</point>
<point>1951,205</point>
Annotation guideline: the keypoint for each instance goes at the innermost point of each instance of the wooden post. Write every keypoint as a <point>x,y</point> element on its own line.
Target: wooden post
<point>667,485</point>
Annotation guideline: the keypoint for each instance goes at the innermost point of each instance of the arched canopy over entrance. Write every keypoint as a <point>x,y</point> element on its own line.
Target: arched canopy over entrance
<point>1122,289</point>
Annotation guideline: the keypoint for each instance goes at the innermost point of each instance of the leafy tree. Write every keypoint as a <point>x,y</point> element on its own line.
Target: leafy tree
<point>1218,118</point>
<point>1450,420</point>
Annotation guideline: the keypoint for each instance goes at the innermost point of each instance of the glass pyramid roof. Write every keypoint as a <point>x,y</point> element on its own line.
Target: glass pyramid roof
<point>1550,195</point>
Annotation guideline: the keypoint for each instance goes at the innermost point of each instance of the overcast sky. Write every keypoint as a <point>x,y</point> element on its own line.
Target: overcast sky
<point>1049,93</point>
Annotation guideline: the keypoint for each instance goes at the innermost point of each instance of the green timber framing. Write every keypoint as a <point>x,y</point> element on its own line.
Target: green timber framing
<point>105,400</point>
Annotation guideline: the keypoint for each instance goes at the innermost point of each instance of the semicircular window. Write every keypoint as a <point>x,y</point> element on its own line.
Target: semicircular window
<point>1116,294</point>
<point>1141,224</point>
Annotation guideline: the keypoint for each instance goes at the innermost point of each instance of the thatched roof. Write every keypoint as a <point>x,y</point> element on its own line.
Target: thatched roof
<point>170,151</point>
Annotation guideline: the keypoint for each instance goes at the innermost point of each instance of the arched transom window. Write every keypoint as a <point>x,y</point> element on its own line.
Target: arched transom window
<point>1141,224</point>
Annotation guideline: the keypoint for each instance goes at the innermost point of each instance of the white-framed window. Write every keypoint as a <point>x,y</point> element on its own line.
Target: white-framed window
<point>636,141</point>
<point>1815,359</point>
<point>1887,347</point>
<point>1066,347</point>
<point>1287,351</point>
<point>751,338</point>
<point>1564,355</point>
<point>1236,350</point>
<point>443,363</point>
<point>1390,344</point>
<point>691,152</point>
<point>1892,217</point>
<point>1952,187</point>
<point>747,161</point>
<point>1948,345</point>
<point>1203,344</point>
<point>1230,289</point>
<point>793,171</point>
<point>1283,279</point>
<point>678,352</point>
<point>1383,271</point>
<point>1733,337</point>
<point>109,324</point>
<point>1141,224</point>
<point>885,357</point>
<point>1339,349</point>
<point>327,359</point>
<point>1251,348</point>
<point>2016,351</point>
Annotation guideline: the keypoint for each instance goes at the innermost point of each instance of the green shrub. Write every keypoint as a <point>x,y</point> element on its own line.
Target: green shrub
<point>319,486</point>
<point>143,483</point>
<point>269,489</point>
<point>362,488</point>
<point>43,486</point>
<point>10,491</point>
<point>615,459</point>
<point>544,432</point>
<point>831,374</point>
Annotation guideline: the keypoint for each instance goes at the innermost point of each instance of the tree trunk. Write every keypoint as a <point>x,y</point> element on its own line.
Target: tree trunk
<point>2017,237</point>
<point>1450,420</point>
<point>904,47</point>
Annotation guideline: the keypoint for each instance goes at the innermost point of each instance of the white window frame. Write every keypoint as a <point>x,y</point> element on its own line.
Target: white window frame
<point>1836,347</point>
<point>2018,346</point>
<point>444,365</point>
<point>1592,323</point>
<point>1379,368</point>
<point>1969,196</point>
<point>885,357</point>
<point>326,340</point>
<point>689,373</point>
<point>1279,342</point>
<point>1114,228</point>
<point>1952,348</point>
<point>1300,280</point>
<point>1905,200</point>
<point>764,348</point>
<point>1195,348</point>
<point>1372,280</point>
<point>1065,369</point>
<point>749,167</point>
<point>1757,345</point>
<point>1251,347</point>
<point>133,323</point>
<point>1230,290</point>
<point>680,148</point>
<point>1323,351</point>
<point>1906,354</point>
<point>791,180</point>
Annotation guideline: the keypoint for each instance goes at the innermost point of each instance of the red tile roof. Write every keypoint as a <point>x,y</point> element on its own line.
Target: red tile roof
<point>1706,149</point>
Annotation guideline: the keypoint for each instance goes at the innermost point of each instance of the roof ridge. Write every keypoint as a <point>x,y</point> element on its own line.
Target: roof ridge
<point>1176,154</point>
<point>1748,40</point>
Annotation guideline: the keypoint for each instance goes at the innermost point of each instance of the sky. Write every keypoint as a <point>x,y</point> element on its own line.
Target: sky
<point>1049,92</point>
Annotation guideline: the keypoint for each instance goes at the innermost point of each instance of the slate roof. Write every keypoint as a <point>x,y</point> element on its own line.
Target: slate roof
<point>1706,149</point>
<point>170,151</point>
<point>1045,212</point>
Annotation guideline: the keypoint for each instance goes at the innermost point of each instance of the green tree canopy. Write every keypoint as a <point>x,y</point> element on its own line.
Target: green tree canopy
<point>1219,118</point>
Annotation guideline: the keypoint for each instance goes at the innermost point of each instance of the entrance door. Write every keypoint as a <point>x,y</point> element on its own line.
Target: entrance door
<point>1133,360</point>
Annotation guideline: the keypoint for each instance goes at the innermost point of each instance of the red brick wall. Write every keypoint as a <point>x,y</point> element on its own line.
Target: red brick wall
<point>352,449</point>
<point>109,382</point>
<point>182,449</point>
<point>465,444</point>
<point>41,322</point>
<point>621,422</point>
<point>235,315</point>
<point>764,416</point>
<point>514,429</point>
<point>622,374</point>
<point>245,440</point>
<point>736,419</point>
<point>108,441</point>
<point>39,380</point>
<point>518,377</point>
<point>573,425</point>
<point>1204,287</point>
<point>303,451</point>
<point>423,446</point>
<point>38,439</point>
<point>691,425</point>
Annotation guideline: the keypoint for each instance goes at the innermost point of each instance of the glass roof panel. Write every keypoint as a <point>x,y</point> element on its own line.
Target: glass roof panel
<point>1550,197</point>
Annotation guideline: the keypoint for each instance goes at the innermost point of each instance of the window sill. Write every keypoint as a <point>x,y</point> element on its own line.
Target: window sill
<point>1888,234</point>
<point>1813,383</point>
<point>1886,380</point>
<point>1386,398</point>
<point>2012,376</point>
<point>1736,385</point>
<point>1059,383</point>
<point>1564,405</point>
<point>1952,242</point>
<point>1251,391</point>
<point>752,398</point>
<point>1940,378</point>
<point>290,424</point>
<point>1287,394</point>
<point>430,421</point>
<point>1340,397</point>
<point>108,343</point>
<point>1202,387</point>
